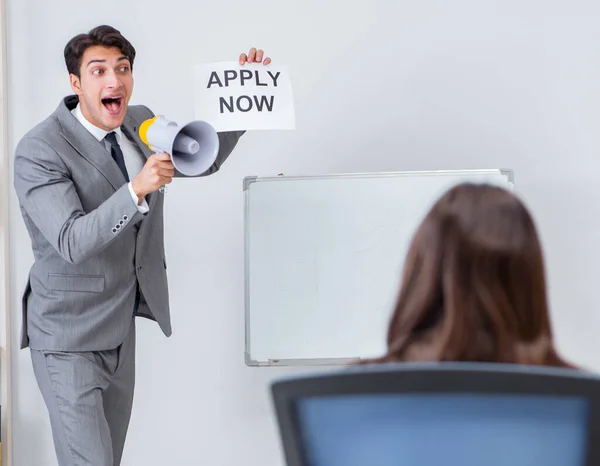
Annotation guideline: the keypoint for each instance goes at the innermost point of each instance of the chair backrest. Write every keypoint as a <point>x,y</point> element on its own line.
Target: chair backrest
<point>426,414</point>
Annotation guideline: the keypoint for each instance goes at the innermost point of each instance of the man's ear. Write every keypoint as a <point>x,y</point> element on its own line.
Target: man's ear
<point>75,84</point>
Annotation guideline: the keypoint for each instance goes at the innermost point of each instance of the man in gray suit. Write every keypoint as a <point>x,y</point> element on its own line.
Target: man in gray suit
<point>89,194</point>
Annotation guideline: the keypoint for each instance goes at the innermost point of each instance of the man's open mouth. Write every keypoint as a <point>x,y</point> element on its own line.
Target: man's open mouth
<point>112,104</point>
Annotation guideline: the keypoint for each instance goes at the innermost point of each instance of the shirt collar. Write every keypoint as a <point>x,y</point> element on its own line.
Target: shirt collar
<point>98,133</point>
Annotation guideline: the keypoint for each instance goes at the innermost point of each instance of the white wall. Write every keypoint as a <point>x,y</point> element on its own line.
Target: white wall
<point>379,85</point>
<point>5,340</point>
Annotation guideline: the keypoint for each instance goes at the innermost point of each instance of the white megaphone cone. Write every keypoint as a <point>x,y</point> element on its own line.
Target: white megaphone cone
<point>193,147</point>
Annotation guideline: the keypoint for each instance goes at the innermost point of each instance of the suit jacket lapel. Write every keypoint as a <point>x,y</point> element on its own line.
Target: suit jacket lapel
<point>88,146</point>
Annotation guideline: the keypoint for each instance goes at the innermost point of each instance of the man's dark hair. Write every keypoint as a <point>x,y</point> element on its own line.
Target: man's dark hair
<point>106,36</point>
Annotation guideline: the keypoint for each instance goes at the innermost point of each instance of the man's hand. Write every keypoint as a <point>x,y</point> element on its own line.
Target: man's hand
<point>158,171</point>
<point>254,56</point>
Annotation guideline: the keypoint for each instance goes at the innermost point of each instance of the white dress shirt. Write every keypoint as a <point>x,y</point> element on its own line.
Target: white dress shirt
<point>134,162</point>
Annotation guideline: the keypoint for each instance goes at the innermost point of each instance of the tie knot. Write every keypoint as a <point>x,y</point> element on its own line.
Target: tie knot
<point>111,138</point>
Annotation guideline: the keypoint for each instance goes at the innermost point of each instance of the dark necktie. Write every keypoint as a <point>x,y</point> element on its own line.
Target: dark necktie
<point>117,154</point>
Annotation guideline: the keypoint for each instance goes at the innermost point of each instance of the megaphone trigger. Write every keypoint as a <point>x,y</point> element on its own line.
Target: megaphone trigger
<point>193,147</point>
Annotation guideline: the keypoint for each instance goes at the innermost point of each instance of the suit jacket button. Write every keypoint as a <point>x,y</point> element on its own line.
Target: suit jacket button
<point>114,230</point>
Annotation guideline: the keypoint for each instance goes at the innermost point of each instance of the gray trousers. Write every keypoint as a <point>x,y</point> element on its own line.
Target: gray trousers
<point>89,396</point>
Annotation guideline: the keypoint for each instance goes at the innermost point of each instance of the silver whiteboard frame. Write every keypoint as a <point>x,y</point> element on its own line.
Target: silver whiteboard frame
<point>249,180</point>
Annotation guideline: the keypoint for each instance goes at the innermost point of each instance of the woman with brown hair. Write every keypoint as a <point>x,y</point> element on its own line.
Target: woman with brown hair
<point>473,287</point>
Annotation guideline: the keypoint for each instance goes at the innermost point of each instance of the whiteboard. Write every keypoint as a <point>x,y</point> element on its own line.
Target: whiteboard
<point>323,259</point>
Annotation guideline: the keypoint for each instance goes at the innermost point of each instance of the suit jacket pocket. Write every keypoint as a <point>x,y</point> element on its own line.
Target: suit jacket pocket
<point>73,282</point>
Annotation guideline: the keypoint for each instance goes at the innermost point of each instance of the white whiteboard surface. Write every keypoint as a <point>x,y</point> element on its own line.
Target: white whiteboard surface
<point>323,259</point>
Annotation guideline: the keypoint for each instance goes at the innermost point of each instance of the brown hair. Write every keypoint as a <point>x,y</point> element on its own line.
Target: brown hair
<point>473,285</point>
<point>106,36</point>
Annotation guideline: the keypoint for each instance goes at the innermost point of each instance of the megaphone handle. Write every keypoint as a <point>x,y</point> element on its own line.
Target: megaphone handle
<point>163,188</point>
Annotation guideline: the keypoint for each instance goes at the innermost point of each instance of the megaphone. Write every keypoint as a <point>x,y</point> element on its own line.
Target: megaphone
<point>193,147</point>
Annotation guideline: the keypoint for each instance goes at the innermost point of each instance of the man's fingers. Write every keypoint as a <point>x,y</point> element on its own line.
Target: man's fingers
<point>162,156</point>
<point>162,168</point>
<point>158,180</point>
<point>167,164</point>
<point>254,56</point>
<point>160,162</point>
<point>166,172</point>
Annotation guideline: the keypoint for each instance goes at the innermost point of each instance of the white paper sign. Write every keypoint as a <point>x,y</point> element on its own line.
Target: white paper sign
<point>253,96</point>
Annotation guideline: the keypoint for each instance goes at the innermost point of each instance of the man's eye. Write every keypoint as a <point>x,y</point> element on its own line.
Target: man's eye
<point>97,72</point>
<point>124,69</point>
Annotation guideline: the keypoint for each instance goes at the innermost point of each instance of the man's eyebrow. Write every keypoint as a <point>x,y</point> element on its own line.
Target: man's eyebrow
<point>102,60</point>
<point>96,60</point>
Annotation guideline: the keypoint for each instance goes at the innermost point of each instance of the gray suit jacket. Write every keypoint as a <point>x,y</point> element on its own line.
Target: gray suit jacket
<point>91,245</point>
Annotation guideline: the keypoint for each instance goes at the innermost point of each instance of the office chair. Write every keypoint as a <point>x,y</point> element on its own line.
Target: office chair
<point>426,414</point>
